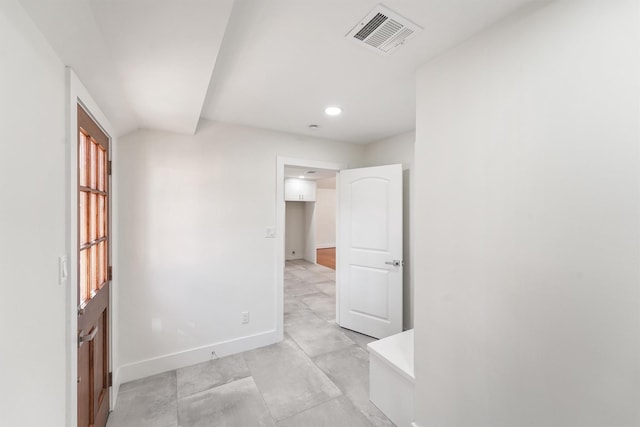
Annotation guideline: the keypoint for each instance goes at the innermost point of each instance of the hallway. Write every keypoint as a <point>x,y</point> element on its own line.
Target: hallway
<point>317,376</point>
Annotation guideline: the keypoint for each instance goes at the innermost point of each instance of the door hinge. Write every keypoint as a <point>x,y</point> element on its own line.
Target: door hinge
<point>110,379</point>
<point>109,163</point>
<point>110,273</point>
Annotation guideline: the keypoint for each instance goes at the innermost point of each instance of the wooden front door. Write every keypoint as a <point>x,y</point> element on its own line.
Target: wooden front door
<point>93,273</point>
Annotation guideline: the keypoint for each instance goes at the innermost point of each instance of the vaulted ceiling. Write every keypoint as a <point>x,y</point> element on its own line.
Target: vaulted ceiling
<point>273,64</point>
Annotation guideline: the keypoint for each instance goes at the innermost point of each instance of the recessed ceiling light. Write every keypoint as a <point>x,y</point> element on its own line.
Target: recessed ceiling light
<point>333,111</point>
<point>301,177</point>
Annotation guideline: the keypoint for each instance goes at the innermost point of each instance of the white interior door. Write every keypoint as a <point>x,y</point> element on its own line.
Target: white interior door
<point>369,264</point>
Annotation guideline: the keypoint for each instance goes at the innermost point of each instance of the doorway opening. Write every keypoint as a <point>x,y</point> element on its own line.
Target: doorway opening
<point>367,282</point>
<point>89,244</point>
<point>310,241</point>
<point>94,277</point>
<point>308,290</point>
<point>297,211</point>
<point>310,215</point>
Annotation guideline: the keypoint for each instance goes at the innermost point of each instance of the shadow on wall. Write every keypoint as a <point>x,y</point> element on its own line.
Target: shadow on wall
<point>407,289</point>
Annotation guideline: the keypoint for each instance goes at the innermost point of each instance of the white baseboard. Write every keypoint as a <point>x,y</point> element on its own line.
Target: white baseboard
<point>326,246</point>
<point>157,365</point>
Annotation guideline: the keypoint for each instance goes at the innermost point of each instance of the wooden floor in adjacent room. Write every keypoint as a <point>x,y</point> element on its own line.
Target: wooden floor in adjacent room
<point>326,257</point>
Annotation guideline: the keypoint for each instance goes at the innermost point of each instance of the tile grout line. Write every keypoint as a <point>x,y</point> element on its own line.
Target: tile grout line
<point>177,402</point>
<point>259,391</point>
<point>312,359</point>
<point>314,406</point>
<point>299,299</point>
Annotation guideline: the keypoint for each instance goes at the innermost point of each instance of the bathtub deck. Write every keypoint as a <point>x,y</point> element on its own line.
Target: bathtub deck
<point>391,377</point>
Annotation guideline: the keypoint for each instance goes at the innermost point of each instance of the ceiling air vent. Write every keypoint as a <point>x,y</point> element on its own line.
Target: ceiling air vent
<point>382,30</point>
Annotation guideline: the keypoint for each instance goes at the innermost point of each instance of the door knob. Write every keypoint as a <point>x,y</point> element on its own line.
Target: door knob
<point>395,263</point>
<point>89,337</point>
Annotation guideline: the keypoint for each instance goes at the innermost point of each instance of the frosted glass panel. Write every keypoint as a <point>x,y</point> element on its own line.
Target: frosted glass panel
<point>82,223</point>
<point>101,216</point>
<point>83,291</point>
<point>101,169</point>
<point>93,215</point>
<point>93,155</point>
<point>82,159</point>
<point>100,263</point>
<point>93,268</point>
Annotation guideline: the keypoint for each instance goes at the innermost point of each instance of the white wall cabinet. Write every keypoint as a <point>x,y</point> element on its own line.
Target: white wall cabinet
<point>299,190</point>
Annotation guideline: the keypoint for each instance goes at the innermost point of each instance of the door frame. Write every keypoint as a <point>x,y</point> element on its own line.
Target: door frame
<point>77,93</point>
<point>281,163</point>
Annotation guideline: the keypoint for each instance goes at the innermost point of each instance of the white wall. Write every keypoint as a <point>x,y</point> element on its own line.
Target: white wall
<point>527,223</point>
<point>394,150</point>
<point>300,236</point>
<point>294,232</point>
<point>32,225</point>
<point>310,232</point>
<point>326,217</point>
<point>193,249</point>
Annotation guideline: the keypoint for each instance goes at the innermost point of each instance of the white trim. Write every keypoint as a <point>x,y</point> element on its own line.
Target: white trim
<point>310,252</point>
<point>157,365</point>
<point>78,93</point>
<point>115,241</point>
<point>281,162</point>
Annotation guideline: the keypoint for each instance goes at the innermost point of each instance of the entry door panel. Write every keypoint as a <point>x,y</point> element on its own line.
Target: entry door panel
<point>93,361</point>
<point>370,241</point>
<point>93,273</point>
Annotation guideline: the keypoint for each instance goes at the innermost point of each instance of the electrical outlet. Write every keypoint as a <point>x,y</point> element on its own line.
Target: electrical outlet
<point>245,317</point>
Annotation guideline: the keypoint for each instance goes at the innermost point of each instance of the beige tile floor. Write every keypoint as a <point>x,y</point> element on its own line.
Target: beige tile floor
<point>317,376</point>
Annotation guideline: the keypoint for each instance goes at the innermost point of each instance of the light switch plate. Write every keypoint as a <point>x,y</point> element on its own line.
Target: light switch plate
<point>63,269</point>
<point>270,232</point>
